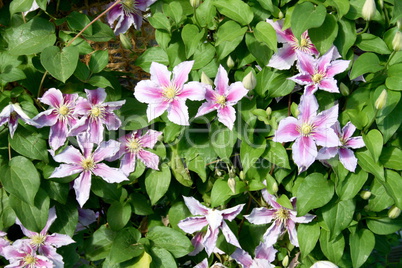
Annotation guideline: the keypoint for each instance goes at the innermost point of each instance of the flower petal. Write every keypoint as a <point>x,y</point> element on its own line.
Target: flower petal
<point>149,159</point>
<point>195,207</point>
<point>127,163</point>
<point>206,108</point>
<point>242,258</point>
<point>355,142</point>
<point>221,81</point>
<point>337,67</point>
<point>193,90</point>
<point>150,138</point>
<point>106,149</point>
<point>329,84</point>
<point>231,213</point>
<point>156,109</point>
<point>263,251</point>
<point>82,187</point>
<point>52,97</point>
<point>325,60</point>
<point>160,74</point>
<point>46,118</point>
<point>210,239</point>
<point>58,134</point>
<point>193,224</point>
<point>109,174</point>
<point>304,152</point>
<point>306,63</point>
<point>96,96</point>
<point>326,137</point>
<point>287,130</point>
<point>302,79</point>
<point>227,116</point>
<point>273,232</point>
<point>326,119</point>
<point>348,130</point>
<point>178,112</point>
<point>326,153</point>
<point>261,215</point>
<point>70,155</point>
<point>236,92</point>
<point>283,59</point>
<point>291,227</point>
<point>66,170</point>
<point>348,159</point>
<point>147,91</point>
<point>58,240</point>
<point>308,108</point>
<point>229,235</point>
<point>180,73</point>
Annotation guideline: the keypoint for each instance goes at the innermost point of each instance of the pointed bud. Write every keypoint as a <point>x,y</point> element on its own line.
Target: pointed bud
<point>397,41</point>
<point>285,261</point>
<point>368,10</point>
<point>280,15</point>
<point>399,24</point>
<point>274,188</point>
<point>268,111</point>
<point>394,212</point>
<point>125,42</point>
<point>218,173</point>
<point>241,175</point>
<point>249,81</point>
<point>358,216</point>
<point>194,3</point>
<point>230,62</point>
<point>232,184</point>
<point>344,89</point>
<point>381,100</point>
<point>365,194</point>
<point>206,80</point>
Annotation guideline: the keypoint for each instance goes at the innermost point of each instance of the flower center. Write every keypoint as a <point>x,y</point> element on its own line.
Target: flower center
<point>134,145</point>
<point>129,6</point>
<point>282,214</point>
<point>96,111</point>
<point>304,42</point>
<point>221,100</point>
<point>88,163</point>
<point>317,78</point>
<point>64,110</point>
<point>170,92</point>
<point>38,240</point>
<point>29,259</point>
<point>306,129</point>
<point>13,115</point>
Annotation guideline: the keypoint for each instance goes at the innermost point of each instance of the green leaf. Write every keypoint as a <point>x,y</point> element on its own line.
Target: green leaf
<point>177,13</point>
<point>251,150</point>
<point>237,10</point>
<point>393,185</point>
<point>346,36</point>
<point>259,50</point>
<point>332,249</point>
<point>191,38</point>
<point>125,245</point>
<point>222,140</point>
<point>67,218</point>
<point>163,38</point>
<point>160,21</point>
<point>21,179</point>
<point>351,184</point>
<point>177,212</point>
<point>99,244</point>
<point>394,78</point>
<point>265,33</point>
<point>32,216</point>
<point>374,143</point>
<point>181,173</point>
<point>384,226</point>
<point>29,144</point>
<point>323,37</point>
<point>157,183</point>
<point>229,31</point>
<point>101,32</point>
<point>99,60</point>
<point>161,258</point>
<point>391,123</point>
<point>316,17</point>
<point>203,55</point>
<point>7,214</point>
<point>78,21</point>
<point>391,157</point>
<point>379,199</point>
<point>276,154</point>
<point>205,14</point>
<point>31,37</point>
<point>308,235</point>
<point>314,192</point>
<point>20,6</point>
<point>11,74</point>
<point>140,204</point>
<point>221,192</point>
<point>118,215</point>
<point>100,81</point>
<point>152,54</point>
<point>367,163</point>
<point>361,244</point>
<point>372,43</point>
<point>366,63</point>
<point>60,64</point>
<point>338,216</point>
<point>174,241</point>
<point>342,6</point>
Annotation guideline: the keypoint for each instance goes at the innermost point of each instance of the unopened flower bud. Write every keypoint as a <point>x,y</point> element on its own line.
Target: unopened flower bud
<point>394,212</point>
<point>365,194</point>
<point>358,216</point>
<point>195,3</point>
<point>230,62</point>
<point>241,175</point>
<point>206,80</point>
<point>125,42</point>
<point>399,24</point>
<point>218,173</point>
<point>249,81</point>
<point>344,89</point>
<point>368,10</point>
<point>381,100</point>
<point>280,15</point>
<point>285,261</point>
<point>381,3</point>
<point>275,187</point>
<point>268,111</point>
<point>232,184</point>
<point>397,41</point>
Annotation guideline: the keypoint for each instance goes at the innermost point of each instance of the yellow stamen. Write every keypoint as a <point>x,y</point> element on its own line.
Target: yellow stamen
<point>88,163</point>
<point>282,214</point>
<point>96,111</point>
<point>29,259</point>
<point>64,110</point>
<point>134,145</point>
<point>306,129</point>
<point>129,6</point>
<point>317,78</point>
<point>169,92</point>
<point>221,100</point>
<point>38,239</point>
<point>304,42</point>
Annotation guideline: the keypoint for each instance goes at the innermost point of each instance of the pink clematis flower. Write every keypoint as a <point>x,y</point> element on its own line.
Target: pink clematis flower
<point>204,264</point>
<point>46,244</point>
<point>319,73</point>
<point>85,218</point>
<point>308,130</point>
<point>284,219</point>
<point>286,55</point>
<point>346,155</point>
<point>132,147</point>
<point>163,94</point>
<point>3,242</point>
<point>212,218</point>
<point>264,255</point>
<point>87,163</point>
<point>10,114</point>
<point>23,255</point>
<point>95,114</point>
<point>223,98</point>
<point>60,115</point>
<point>127,13</point>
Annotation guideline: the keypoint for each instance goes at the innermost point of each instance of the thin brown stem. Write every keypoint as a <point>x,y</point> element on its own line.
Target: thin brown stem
<point>89,24</point>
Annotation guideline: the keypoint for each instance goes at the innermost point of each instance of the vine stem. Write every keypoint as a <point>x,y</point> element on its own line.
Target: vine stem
<point>89,24</point>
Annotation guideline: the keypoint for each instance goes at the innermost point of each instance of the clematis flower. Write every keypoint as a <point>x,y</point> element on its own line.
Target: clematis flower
<point>132,147</point>
<point>284,219</point>
<point>162,93</point>
<point>3,242</point>
<point>60,115</point>
<point>264,255</point>
<point>127,13</point>
<point>34,6</point>
<point>213,219</point>
<point>85,218</point>
<point>286,55</point>
<point>346,155</point>
<point>95,113</point>
<point>223,98</point>
<point>46,244</point>
<point>308,130</point>
<point>23,255</point>
<point>204,264</point>
<point>319,73</point>
<point>87,163</point>
<point>10,114</point>
<point>323,264</point>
